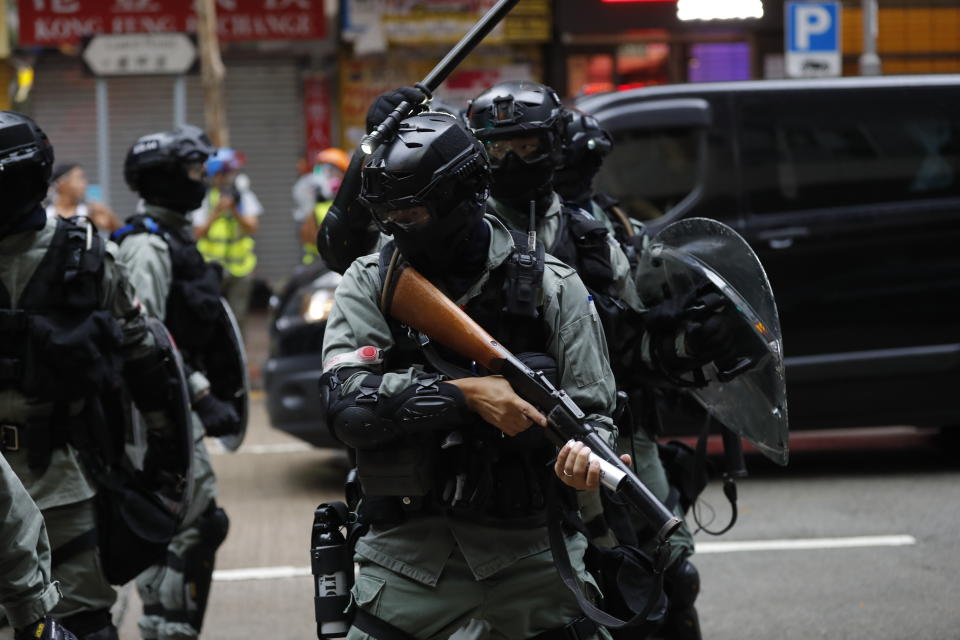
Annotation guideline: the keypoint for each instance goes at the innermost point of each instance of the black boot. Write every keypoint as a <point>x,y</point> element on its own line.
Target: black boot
<point>92,625</point>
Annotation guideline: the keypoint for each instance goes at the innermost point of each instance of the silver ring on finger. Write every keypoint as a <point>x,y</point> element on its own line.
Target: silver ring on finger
<point>569,475</point>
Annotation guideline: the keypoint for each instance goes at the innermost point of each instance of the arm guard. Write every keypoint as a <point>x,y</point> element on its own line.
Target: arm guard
<point>366,420</point>
<point>345,235</point>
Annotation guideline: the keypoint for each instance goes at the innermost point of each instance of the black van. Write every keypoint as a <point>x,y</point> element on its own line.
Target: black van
<point>849,191</point>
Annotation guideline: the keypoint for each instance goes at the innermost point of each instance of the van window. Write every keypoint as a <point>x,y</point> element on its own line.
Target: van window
<point>840,148</point>
<point>650,171</point>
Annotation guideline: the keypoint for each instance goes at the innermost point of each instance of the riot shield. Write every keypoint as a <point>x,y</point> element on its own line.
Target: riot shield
<point>169,455</point>
<point>747,394</point>
<point>225,364</point>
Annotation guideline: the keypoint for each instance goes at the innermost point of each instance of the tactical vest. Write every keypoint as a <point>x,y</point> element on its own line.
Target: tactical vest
<point>476,473</point>
<point>582,243</point>
<point>59,346</point>
<point>193,302</point>
<point>226,243</point>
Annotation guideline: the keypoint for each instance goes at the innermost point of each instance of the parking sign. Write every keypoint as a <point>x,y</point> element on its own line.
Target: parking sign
<point>813,39</point>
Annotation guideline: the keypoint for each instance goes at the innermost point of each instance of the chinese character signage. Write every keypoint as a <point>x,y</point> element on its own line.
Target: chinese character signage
<point>372,25</point>
<point>56,22</point>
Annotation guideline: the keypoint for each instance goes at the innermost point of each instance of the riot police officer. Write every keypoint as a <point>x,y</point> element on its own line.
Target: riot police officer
<point>455,473</point>
<point>524,128</point>
<point>174,284</point>
<point>26,592</point>
<point>585,145</point>
<point>69,329</point>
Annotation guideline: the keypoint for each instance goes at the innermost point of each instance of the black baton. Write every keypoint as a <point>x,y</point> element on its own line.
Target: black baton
<point>388,128</point>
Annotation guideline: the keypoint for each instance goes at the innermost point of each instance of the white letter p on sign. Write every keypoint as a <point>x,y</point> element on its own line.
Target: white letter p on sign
<point>812,20</point>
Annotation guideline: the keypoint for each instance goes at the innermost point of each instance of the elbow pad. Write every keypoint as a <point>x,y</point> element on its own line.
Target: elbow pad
<point>365,420</point>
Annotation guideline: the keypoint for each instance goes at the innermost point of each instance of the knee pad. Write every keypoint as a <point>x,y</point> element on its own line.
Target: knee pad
<point>682,584</point>
<point>198,563</point>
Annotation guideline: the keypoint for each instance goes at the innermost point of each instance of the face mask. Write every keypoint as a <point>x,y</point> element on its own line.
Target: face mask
<point>515,179</point>
<point>435,248</point>
<point>574,184</point>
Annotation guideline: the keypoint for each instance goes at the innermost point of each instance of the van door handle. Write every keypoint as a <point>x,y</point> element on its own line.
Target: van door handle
<point>782,238</point>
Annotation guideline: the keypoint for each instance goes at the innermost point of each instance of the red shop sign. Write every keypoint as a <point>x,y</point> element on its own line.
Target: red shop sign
<point>56,22</point>
<point>317,111</point>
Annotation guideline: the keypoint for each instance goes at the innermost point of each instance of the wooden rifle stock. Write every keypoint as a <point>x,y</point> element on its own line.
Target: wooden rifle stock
<point>417,303</point>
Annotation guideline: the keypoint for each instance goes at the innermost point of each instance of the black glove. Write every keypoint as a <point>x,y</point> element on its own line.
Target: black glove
<point>46,628</point>
<point>699,318</point>
<point>219,418</point>
<point>387,101</point>
<point>710,339</point>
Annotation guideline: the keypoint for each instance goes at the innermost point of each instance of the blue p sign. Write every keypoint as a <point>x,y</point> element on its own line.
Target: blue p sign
<point>812,26</point>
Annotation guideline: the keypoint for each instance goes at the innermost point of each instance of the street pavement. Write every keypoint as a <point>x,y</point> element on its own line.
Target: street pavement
<point>843,544</point>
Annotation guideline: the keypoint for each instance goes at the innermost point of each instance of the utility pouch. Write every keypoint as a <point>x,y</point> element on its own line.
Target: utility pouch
<point>406,469</point>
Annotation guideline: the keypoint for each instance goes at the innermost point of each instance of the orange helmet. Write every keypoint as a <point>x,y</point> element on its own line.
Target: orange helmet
<point>336,157</point>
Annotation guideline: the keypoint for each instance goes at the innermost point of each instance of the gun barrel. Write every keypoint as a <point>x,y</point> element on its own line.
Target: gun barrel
<point>415,302</point>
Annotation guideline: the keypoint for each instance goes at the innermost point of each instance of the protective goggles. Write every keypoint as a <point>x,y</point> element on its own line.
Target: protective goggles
<point>390,217</point>
<point>529,147</point>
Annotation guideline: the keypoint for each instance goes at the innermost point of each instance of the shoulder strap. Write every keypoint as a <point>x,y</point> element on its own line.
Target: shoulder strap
<point>564,568</point>
<point>135,225</point>
<point>389,259</point>
<point>85,250</point>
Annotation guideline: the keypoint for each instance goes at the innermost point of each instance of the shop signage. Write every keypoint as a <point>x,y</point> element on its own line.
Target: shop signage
<point>374,25</point>
<point>813,39</point>
<point>52,23</point>
<point>127,54</point>
<point>317,114</point>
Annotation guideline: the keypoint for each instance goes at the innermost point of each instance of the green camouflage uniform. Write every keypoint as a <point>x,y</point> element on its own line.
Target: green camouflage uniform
<point>26,592</point>
<point>64,492</point>
<point>434,575</point>
<point>146,258</point>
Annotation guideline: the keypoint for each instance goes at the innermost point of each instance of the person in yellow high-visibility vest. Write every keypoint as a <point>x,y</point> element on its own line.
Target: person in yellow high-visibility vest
<point>328,170</point>
<point>225,226</point>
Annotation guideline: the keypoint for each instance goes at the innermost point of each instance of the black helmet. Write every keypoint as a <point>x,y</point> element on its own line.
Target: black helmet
<point>427,187</point>
<point>436,105</point>
<point>585,145</point>
<point>26,160</point>
<point>521,124</point>
<point>167,168</point>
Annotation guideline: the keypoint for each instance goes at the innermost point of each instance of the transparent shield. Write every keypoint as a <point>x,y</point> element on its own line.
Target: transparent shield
<point>227,369</point>
<point>748,395</point>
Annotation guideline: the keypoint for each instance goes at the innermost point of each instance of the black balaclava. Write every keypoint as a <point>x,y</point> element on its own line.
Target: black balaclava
<point>516,183</point>
<point>453,246</point>
<point>22,191</point>
<point>575,184</point>
<point>171,188</point>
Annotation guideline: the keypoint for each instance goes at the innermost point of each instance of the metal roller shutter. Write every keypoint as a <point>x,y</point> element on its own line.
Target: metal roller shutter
<point>264,109</point>
<point>266,123</point>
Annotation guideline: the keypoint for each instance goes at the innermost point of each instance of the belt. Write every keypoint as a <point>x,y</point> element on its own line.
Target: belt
<point>9,437</point>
